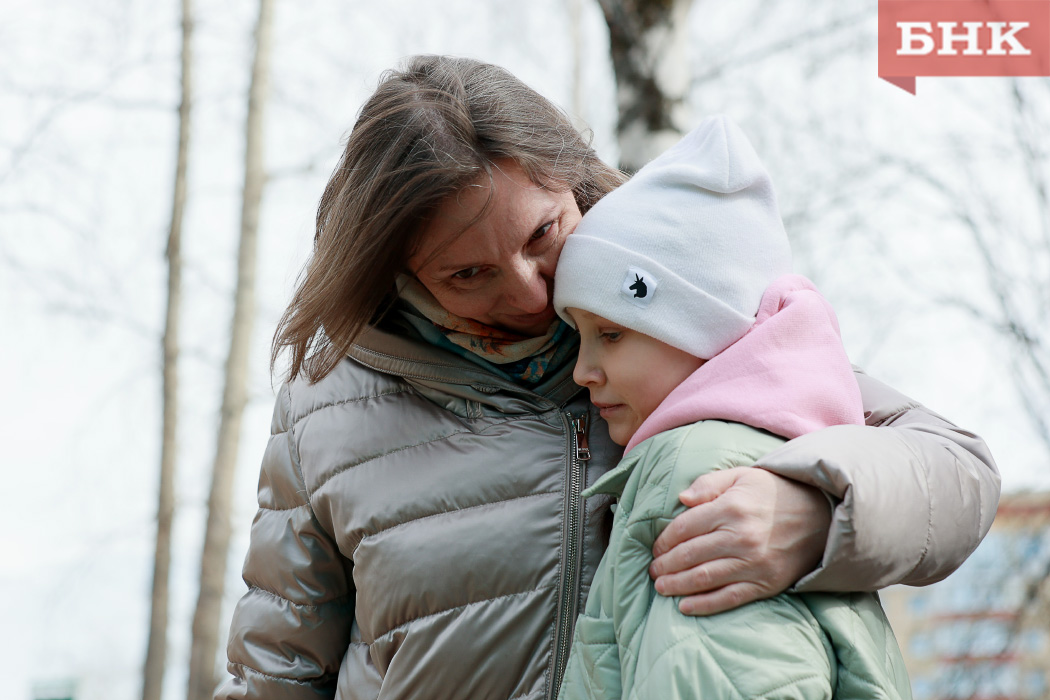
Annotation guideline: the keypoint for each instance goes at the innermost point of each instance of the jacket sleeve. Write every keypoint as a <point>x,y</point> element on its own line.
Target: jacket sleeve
<point>913,494</point>
<point>292,628</point>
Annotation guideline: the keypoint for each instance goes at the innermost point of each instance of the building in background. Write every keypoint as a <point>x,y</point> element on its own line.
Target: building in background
<point>984,632</point>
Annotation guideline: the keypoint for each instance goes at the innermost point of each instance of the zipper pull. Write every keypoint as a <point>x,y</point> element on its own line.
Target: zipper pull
<point>583,451</point>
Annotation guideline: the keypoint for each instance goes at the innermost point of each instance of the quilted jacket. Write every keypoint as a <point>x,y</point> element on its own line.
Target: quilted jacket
<point>634,644</point>
<point>421,530</point>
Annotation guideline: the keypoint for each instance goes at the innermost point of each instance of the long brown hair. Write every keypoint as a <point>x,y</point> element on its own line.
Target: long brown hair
<point>430,129</point>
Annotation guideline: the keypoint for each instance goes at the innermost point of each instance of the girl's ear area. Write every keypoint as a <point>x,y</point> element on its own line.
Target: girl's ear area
<point>575,317</point>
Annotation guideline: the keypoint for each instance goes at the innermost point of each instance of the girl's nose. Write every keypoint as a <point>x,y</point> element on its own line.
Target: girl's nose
<point>586,373</point>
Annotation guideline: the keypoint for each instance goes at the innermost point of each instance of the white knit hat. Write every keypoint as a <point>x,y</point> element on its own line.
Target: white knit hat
<point>684,250</point>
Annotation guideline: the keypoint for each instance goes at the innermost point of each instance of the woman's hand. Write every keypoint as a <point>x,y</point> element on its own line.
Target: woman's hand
<point>748,534</point>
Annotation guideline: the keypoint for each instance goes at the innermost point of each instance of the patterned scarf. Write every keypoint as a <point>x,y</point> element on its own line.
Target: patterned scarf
<point>518,358</point>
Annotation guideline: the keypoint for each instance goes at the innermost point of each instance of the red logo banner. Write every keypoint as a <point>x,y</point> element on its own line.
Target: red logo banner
<point>962,38</point>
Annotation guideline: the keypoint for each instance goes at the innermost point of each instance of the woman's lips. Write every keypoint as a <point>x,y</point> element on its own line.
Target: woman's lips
<point>527,319</point>
<point>530,324</point>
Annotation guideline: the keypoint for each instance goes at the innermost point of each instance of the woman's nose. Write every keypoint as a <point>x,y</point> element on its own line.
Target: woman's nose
<point>527,288</point>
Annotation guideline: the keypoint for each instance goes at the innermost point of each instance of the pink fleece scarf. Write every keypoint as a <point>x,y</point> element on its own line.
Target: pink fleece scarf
<point>788,374</point>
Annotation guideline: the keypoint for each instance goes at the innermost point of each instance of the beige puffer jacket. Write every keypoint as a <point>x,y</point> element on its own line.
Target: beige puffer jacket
<point>421,531</point>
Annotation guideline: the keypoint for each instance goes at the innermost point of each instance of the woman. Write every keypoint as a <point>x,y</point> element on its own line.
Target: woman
<point>421,531</point>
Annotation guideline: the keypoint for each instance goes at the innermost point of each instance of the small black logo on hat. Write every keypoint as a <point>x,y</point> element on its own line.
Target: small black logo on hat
<point>639,287</point>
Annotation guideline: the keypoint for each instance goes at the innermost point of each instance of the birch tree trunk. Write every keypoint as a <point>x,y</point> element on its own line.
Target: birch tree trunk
<point>157,646</point>
<point>575,11</point>
<point>202,678</point>
<point>648,42</point>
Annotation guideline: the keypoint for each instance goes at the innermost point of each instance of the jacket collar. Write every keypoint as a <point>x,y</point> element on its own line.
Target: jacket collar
<point>393,351</point>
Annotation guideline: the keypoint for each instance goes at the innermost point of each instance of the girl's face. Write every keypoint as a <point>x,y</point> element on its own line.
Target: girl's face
<point>500,269</point>
<point>628,373</point>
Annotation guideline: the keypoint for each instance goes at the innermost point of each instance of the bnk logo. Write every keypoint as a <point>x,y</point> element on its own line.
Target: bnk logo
<point>962,38</point>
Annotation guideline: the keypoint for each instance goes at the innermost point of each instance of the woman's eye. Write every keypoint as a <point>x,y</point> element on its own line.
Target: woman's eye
<point>610,336</point>
<point>541,231</point>
<point>466,273</point>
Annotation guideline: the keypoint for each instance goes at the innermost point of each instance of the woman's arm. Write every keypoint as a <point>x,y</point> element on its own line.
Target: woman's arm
<point>771,649</point>
<point>914,497</point>
<point>911,497</point>
<point>292,627</point>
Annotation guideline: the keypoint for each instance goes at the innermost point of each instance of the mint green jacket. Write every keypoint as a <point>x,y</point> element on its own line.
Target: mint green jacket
<point>632,643</point>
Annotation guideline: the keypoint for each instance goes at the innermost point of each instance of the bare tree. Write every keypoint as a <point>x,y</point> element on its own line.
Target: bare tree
<point>157,646</point>
<point>1007,225</point>
<point>648,43</point>
<point>202,677</point>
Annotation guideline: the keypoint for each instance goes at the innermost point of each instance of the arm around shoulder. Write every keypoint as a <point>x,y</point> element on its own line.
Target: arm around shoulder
<point>292,627</point>
<point>914,494</point>
<point>768,648</point>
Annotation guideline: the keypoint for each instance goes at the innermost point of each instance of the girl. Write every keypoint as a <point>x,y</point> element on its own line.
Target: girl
<point>703,353</point>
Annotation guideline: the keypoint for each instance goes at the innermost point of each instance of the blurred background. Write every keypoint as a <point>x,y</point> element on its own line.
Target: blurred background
<point>925,220</point>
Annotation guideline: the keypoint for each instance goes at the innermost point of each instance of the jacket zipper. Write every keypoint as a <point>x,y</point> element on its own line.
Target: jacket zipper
<point>565,622</point>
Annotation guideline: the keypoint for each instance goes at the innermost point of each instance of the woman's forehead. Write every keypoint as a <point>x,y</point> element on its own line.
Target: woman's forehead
<point>483,218</point>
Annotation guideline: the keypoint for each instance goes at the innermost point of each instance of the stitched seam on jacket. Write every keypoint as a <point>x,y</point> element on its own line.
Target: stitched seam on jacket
<point>343,402</point>
<point>639,682</point>
<point>286,410</point>
<point>304,606</point>
<point>861,679</point>
<point>526,695</point>
<point>350,465</point>
<point>674,645</point>
<point>435,363</point>
<point>485,601</point>
<point>481,376</point>
<point>791,683</point>
<point>929,510</point>
<point>896,414</point>
<point>295,451</point>
<point>449,512</point>
<point>285,510</point>
<point>326,679</point>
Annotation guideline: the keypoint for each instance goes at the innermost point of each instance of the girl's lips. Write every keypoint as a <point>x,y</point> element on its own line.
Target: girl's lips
<point>606,409</point>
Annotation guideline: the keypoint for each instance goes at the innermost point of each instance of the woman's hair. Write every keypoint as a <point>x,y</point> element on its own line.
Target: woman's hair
<point>429,130</point>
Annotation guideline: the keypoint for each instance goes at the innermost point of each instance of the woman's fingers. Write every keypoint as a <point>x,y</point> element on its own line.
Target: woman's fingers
<point>750,535</point>
<point>704,578</point>
<point>722,599</point>
<point>698,520</point>
<point>703,548</point>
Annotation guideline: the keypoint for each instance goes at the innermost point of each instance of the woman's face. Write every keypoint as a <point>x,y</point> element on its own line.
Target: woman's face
<point>500,270</point>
